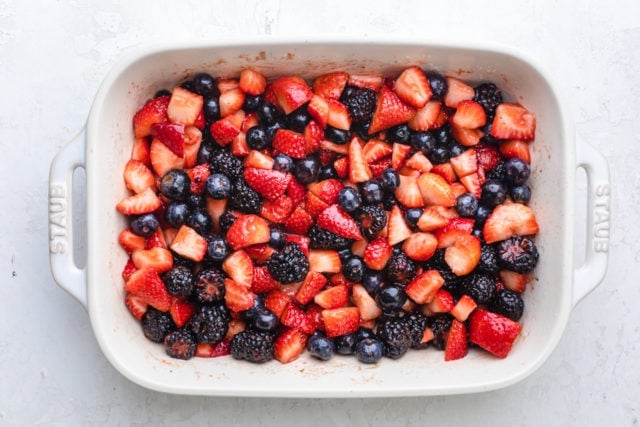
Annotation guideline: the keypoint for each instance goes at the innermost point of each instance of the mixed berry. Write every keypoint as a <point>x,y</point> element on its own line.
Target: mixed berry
<point>357,215</point>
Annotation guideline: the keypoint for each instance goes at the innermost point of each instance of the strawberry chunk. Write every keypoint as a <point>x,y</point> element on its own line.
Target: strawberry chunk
<point>136,305</point>
<point>290,143</point>
<point>330,85</point>
<point>324,261</point>
<point>493,332</point>
<point>390,111</point>
<point>422,289</point>
<point>333,297</point>
<point>456,346</point>
<point>252,82</point>
<point>311,285</point>
<point>237,296</point>
<point>413,87</point>
<point>189,244</point>
<point>469,115</point>
<point>248,230</point>
<point>294,317</point>
<point>509,220</point>
<point>341,321</point>
<point>181,311</point>
<point>239,267</point>
<point>171,135</point>
<point>289,345</point>
<point>159,259</point>
<point>358,167</point>
<point>147,285</point>
<point>290,93</point>
<point>420,246</point>
<point>184,106</point>
<point>367,306</point>
<point>141,203</point>
<point>163,159</point>
<point>377,253</point>
<point>137,176</point>
<point>339,222</point>
<point>513,121</point>
<point>153,111</point>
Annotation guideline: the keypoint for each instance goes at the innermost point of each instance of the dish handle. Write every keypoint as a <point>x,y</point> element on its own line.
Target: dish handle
<point>65,272</point>
<point>592,272</point>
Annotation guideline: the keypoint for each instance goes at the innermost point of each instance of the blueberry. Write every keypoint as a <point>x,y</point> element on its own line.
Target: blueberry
<point>195,201</point>
<point>276,238</point>
<point>161,93</point>
<point>217,248</point>
<point>423,141</point>
<point>456,149</point>
<point>272,129</point>
<point>344,254</point>
<point>391,297</point>
<point>205,151</point>
<point>339,136</point>
<point>390,179</point>
<point>211,109</point>
<point>517,171</point>
<point>282,163</point>
<point>482,214</point>
<point>371,192</point>
<point>438,85</point>
<point>412,216</point>
<point>349,199</point>
<point>364,333</point>
<point>493,193</point>
<point>258,306</point>
<point>372,280</point>
<point>369,350</point>
<point>204,84</point>
<point>320,347</point>
<point>177,213</point>
<point>521,193</point>
<point>307,170</point>
<point>439,155</point>
<point>399,133</point>
<point>298,119</point>
<point>467,205</point>
<point>353,269</point>
<point>327,172</point>
<point>257,137</point>
<point>200,221</point>
<point>444,136</point>
<point>268,113</point>
<point>218,186</point>
<point>251,102</point>
<point>345,344</point>
<point>175,184</point>
<point>144,225</point>
<point>265,320</point>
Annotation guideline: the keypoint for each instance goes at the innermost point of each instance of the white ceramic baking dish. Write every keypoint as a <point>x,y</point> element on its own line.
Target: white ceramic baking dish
<point>103,147</point>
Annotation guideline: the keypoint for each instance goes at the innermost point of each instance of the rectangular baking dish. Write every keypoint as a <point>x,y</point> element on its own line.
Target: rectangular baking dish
<point>104,146</point>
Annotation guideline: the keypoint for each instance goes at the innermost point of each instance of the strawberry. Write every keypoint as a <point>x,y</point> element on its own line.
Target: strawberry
<point>208,350</point>
<point>338,117</point>
<point>290,93</point>
<point>466,137</point>
<point>169,235</point>
<point>375,150</point>
<point>367,306</point>
<point>445,170</point>
<point>263,281</point>
<point>327,190</point>
<point>294,317</point>
<point>463,308</point>
<point>159,259</point>
<point>299,222</point>
<point>397,228</point>
<point>147,285</point>
<point>408,193</point>
<point>140,151</point>
<point>464,254</point>
<point>472,184</point>
<point>419,162</point>
<point>239,267</point>
<point>341,321</point>
<point>184,106</point>
<point>269,183</point>
<point>516,149</point>
<point>163,159</point>
<point>259,253</point>
<point>153,111</point>
<point>296,191</point>
<point>420,246</point>
<point>456,346</point>
<point>427,117</point>
<point>466,163</point>
<point>137,305</point>
<point>314,312</point>
<point>435,190</point>
<point>171,135</point>
<point>332,148</point>
<point>313,136</point>
<point>290,143</point>
<point>324,261</point>
<point>289,345</point>
<point>457,91</point>
<point>128,270</point>
<point>276,301</point>
<point>189,244</point>
<point>252,82</point>
<point>458,189</point>
<point>277,211</point>
<point>130,241</point>
<point>311,285</point>
<point>226,84</point>
<point>319,110</point>
<point>141,203</point>
<point>198,176</point>
<point>339,222</point>
<point>442,302</point>
<point>237,297</point>
<point>413,87</point>
<point>314,205</point>
<point>248,230</point>
<point>330,85</point>
<point>257,159</point>
<point>341,166</point>
<point>493,332</point>
<point>377,253</point>
<point>156,240</point>
<point>507,220</point>
<point>423,288</point>
<point>513,281</point>
<point>379,167</point>
<point>358,168</point>
<point>371,81</point>
<point>399,154</point>
<point>239,146</point>
<point>390,111</point>
<point>469,115</point>
<point>513,121</point>
<point>235,326</point>
<point>224,130</point>
<point>181,311</point>
<point>333,297</point>
<point>431,219</point>
<point>231,101</point>
<point>200,121</point>
<point>488,157</point>
<point>137,176</point>
<point>215,208</point>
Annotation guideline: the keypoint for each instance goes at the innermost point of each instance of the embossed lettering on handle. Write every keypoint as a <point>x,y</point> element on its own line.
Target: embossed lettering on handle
<point>58,235</point>
<point>601,213</point>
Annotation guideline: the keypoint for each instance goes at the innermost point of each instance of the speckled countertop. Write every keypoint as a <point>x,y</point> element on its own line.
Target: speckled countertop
<point>53,56</point>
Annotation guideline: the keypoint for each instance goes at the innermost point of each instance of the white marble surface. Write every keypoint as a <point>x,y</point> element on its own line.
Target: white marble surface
<point>53,55</point>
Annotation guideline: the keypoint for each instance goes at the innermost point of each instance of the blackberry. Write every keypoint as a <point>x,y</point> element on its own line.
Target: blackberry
<point>179,281</point>
<point>361,104</point>
<point>400,268</point>
<point>180,261</point>
<point>489,96</point>
<point>288,265</point>
<point>323,239</point>
<point>253,346</point>
<point>395,336</point>
<point>480,287</point>
<point>508,304</point>
<point>372,220</point>
<point>226,220</point>
<point>498,172</point>
<point>517,254</point>
<point>156,324</point>
<point>244,198</point>
<point>208,286</point>
<point>417,323</point>
<point>225,163</point>
<point>180,344</point>
<point>210,323</point>
<point>488,260</point>
<point>439,324</point>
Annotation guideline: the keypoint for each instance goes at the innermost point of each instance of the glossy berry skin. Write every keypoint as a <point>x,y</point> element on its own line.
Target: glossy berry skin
<point>307,170</point>
<point>298,119</point>
<point>371,192</point>
<point>438,85</point>
<point>391,297</point>
<point>175,184</point>
<point>399,133</point>
<point>390,180</point>
<point>320,347</point>
<point>372,281</point>
<point>217,248</point>
<point>517,171</point>
<point>444,136</point>
<point>439,155</point>
<point>144,225</point>
<point>204,84</point>
<point>369,350</point>
<point>482,213</point>
<point>412,216</point>
<point>218,186</point>
<point>258,137</point>
<point>353,269</point>
<point>251,103</point>
<point>282,163</point>
<point>349,199</point>
<point>276,238</point>
<point>508,303</point>
<point>364,333</point>
<point>345,344</point>
<point>467,205</point>
<point>211,109</point>
<point>327,172</point>
<point>265,320</point>
<point>200,221</point>
<point>493,193</point>
<point>161,93</point>
<point>156,325</point>
<point>339,136</point>
<point>520,194</point>
<point>423,141</point>
<point>456,149</point>
<point>176,214</point>
<point>195,201</point>
<point>268,113</point>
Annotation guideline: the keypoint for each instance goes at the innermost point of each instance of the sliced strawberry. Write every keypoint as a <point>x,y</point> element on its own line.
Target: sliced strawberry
<point>493,332</point>
<point>263,281</point>
<point>513,281</point>
<point>147,285</point>
<point>296,191</point>
<point>358,168</point>
<point>314,312</point>
<point>224,130</point>
<point>332,149</point>
<point>413,87</point>
<point>422,289</point>
<point>399,155</point>
<point>466,137</point>
<point>215,208</point>
<point>250,120</point>
<point>137,176</point>
<point>184,106</point>
<point>276,301</point>
<point>128,270</point>
<point>513,121</point>
<point>294,317</point>
<point>324,261</point>
<point>488,157</point>
<point>507,220</point>
<point>375,150</point>
<point>239,146</point>
<point>239,267</point>
<point>231,101</point>
<point>156,240</point>
<point>270,184</point>
<point>277,211</point>
<point>431,219</point>
<point>367,306</point>
<point>137,305</point>
<point>377,253</point>
<point>259,253</point>
<point>472,184</point>
<point>408,193</point>
<point>256,159</point>
<point>141,203</point>
<point>319,110</point>
<point>169,235</point>
<point>163,159</point>
<point>463,308</point>
<point>226,84</point>
<point>397,228</point>
<point>341,321</point>
<point>140,151</point>
<point>420,246</point>
<point>314,205</point>
<point>390,111</point>
<point>159,259</point>
<point>338,117</point>
<point>442,302</point>
<point>469,115</point>
<point>427,117</point>
<point>456,346</point>
<point>330,85</point>
<point>466,163</point>
<point>291,93</point>
<point>289,345</point>
<point>299,222</point>
<point>198,176</point>
<point>153,111</point>
<point>171,135</point>
<point>333,297</point>
<point>463,255</point>
<point>130,241</point>
<point>181,311</point>
<point>248,230</point>
<point>457,91</point>
<point>419,162</point>
<point>311,285</point>
<point>313,136</point>
<point>379,167</point>
<point>445,170</point>
<point>327,190</point>
<point>252,82</point>
<point>341,166</point>
<point>516,149</point>
<point>208,350</point>
<point>435,190</point>
<point>371,81</point>
<point>237,297</point>
<point>235,327</point>
<point>189,244</point>
<point>339,222</point>
<point>290,143</point>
